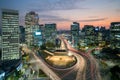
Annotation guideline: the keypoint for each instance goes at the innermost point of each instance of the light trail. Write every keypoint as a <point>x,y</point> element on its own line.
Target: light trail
<point>93,68</point>
<point>85,68</point>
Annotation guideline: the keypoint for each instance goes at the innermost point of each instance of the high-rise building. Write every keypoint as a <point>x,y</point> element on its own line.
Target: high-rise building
<point>105,33</point>
<point>89,34</point>
<point>42,29</point>
<point>98,35</point>
<point>115,34</point>
<point>31,25</point>
<point>0,47</point>
<point>38,40</point>
<point>22,34</point>
<point>75,28</point>
<point>50,32</point>
<point>10,34</point>
<point>0,41</point>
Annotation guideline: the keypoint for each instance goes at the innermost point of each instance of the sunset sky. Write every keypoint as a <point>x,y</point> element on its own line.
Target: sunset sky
<point>64,12</point>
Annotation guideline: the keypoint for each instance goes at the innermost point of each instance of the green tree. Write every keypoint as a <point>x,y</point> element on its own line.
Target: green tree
<point>43,47</point>
<point>50,45</point>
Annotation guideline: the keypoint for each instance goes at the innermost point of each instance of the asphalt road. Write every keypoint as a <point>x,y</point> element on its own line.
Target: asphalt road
<point>85,68</point>
<point>39,63</point>
<point>90,70</point>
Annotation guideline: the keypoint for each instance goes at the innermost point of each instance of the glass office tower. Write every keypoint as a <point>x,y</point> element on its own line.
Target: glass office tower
<point>10,34</point>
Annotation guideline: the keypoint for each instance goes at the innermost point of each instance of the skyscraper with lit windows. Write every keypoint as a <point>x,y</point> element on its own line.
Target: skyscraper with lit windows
<point>50,32</point>
<point>89,34</point>
<point>31,25</point>
<point>75,33</point>
<point>10,34</point>
<point>115,34</point>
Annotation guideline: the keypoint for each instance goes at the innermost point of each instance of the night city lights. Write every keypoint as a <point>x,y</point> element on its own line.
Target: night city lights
<point>59,39</point>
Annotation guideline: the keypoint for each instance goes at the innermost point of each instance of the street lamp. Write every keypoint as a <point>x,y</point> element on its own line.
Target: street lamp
<point>69,53</point>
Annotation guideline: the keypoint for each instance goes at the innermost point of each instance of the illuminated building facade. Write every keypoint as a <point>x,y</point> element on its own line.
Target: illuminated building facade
<point>75,33</point>
<point>10,34</point>
<point>0,47</point>
<point>38,39</point>
<point>89,34</point>
<point>115,34</point>
<point>22,34</point>
<point>0,41</point>
<point>31,25</point>
<point>50,32</point>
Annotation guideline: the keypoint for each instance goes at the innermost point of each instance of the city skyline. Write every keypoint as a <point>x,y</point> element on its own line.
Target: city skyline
<point>39,51</point>
<point>64,12</point>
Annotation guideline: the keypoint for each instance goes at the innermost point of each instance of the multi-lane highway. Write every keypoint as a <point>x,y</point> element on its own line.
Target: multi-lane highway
<point>38,63</point>
<point>91,70</point>
<point>42,65</point>
<point>77,72</point>
<point>84,69</point>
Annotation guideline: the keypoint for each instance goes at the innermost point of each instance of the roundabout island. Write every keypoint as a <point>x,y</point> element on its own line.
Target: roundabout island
<point>60,58</point>
<point>61,61</point>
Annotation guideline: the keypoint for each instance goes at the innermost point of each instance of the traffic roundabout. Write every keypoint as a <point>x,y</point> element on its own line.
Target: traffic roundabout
<point>61,61</point>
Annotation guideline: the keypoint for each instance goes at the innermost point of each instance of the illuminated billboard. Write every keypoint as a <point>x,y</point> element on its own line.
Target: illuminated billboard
<point>37,33</point>
<point>96,29</point>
